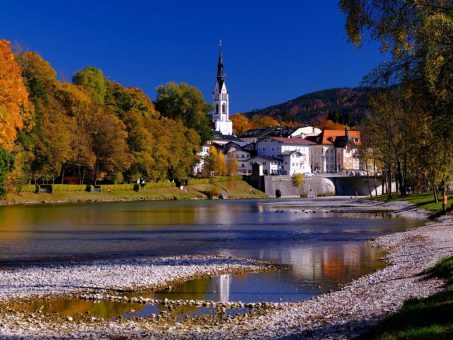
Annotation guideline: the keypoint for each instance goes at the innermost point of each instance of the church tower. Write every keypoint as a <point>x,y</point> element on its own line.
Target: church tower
<point>220,102</point>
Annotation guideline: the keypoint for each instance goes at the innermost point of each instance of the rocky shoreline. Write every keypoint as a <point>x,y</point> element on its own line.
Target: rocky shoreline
<point>339,314</point>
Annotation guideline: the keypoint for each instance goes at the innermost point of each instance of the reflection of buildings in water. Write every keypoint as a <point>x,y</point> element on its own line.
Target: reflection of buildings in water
<point>222,283</point>
<point>305,262</point>
<point>332,263</point>
<point>219,214</point>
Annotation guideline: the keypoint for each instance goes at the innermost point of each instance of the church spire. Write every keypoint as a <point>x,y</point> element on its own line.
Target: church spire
<point>220,73</point>
<point>220,101</point>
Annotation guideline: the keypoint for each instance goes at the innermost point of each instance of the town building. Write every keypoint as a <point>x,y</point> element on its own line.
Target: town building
<point>335,151</point>
<point>294,153</point>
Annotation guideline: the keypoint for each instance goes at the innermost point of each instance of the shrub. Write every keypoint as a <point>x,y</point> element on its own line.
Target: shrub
<point>116,187</point>
<point>26,188</point>
<point>68,187</point>
<point>213,180</point>
<point>298,180</point>
<point>160,185</point>
<point>216,192</point>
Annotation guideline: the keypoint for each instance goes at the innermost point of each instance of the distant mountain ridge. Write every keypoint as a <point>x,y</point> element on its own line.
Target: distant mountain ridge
<point>346,105</point>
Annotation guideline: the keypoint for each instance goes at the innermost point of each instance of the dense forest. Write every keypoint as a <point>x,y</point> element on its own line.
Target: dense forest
<point>92,129</point>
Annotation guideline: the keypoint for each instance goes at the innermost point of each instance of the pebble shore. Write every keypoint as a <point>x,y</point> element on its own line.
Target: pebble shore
<point>340,314</point>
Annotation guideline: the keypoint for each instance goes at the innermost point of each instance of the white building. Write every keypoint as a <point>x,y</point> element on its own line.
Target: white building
<point>220,101</point>
<point>270,166</point>
<point>294,153</point>
<point>198,168</point>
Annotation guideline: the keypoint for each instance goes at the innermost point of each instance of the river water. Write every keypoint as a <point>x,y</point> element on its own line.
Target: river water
<point>321,250</point>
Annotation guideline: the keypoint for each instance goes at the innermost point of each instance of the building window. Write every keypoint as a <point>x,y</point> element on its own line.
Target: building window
<point>264,163</point>
<point>217,108</point>
<point>224,108</point>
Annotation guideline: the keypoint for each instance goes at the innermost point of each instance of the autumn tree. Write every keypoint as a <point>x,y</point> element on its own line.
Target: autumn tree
<point>15,108</point>
<point>50,138</point>
<point>264,121</point>
<point>185,103</point>
<point>240,123</point>
<point>232,165</point>
<point>220,168</point>
<point>418,35</point>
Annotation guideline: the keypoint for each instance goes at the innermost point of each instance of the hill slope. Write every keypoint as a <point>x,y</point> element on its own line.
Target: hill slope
<point>345,105</point>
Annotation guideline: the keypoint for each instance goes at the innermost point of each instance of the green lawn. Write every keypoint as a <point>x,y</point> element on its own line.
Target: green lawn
<point>430,318</point>
<point>424,200</point>
<point>234,188</point>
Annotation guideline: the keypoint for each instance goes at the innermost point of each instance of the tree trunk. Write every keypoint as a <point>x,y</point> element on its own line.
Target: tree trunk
<point>62,174</point>
<point>436,198</point>
<point>368,180</point>
<point>389,184</point>
<point>375,175</point>
<point>83,175</point>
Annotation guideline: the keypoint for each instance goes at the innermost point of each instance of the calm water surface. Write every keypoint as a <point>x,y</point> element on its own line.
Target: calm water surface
<point>322,251</point>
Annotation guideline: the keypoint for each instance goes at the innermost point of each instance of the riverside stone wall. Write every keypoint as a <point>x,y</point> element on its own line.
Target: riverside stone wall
<point>314,186</point>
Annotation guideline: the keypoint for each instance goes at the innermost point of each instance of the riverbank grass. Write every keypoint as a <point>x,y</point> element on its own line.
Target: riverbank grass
<point>424,200</point>
<point>234,188</point>
<point>430,318</point>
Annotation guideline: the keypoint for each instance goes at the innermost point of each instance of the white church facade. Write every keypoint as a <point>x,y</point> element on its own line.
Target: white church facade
<point>220,101</point>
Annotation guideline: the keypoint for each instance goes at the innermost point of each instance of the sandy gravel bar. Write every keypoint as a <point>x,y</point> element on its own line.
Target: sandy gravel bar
<point>127,275</point>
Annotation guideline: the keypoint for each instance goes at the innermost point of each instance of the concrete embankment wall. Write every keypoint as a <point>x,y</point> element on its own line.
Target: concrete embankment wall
<point>282,186</point>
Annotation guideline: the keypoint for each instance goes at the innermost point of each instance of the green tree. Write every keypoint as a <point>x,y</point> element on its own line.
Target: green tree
<point>6,165</point>
<point>185,103</point>
<point>93,81</point>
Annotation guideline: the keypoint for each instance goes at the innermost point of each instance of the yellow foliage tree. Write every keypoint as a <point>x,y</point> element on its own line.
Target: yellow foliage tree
<point>232,165</point>
<point>15,108</point>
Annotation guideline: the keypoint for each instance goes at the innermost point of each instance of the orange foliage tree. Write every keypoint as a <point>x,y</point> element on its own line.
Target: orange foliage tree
<point>331,125</point>
<point>14,105</point>
<point>264,121</point>
<point>240,123</point>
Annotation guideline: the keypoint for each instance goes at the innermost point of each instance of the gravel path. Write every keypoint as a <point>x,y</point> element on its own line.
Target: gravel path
<point>335,315</point>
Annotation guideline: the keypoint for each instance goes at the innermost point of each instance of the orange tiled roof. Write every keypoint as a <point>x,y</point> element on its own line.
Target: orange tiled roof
<point>327,134</point>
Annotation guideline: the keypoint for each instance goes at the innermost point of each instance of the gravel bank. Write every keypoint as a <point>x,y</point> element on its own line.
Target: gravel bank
<point>119,275</point>
<point>338,314</point>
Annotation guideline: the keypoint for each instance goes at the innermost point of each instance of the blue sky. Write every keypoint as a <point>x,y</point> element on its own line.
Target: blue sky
<point>273,50</point>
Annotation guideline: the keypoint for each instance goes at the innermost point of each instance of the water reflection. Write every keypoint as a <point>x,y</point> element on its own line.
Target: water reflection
<point>322,251</point>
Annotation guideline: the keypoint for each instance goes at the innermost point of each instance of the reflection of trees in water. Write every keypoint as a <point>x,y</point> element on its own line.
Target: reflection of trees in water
<point>72,307</point>
<point>190,290</point>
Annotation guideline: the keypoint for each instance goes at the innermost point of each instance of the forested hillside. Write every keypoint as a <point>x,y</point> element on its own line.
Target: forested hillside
<point>341,105</point>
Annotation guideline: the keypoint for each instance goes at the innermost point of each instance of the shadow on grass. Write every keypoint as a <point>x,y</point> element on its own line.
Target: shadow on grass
<point>431,317</point>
